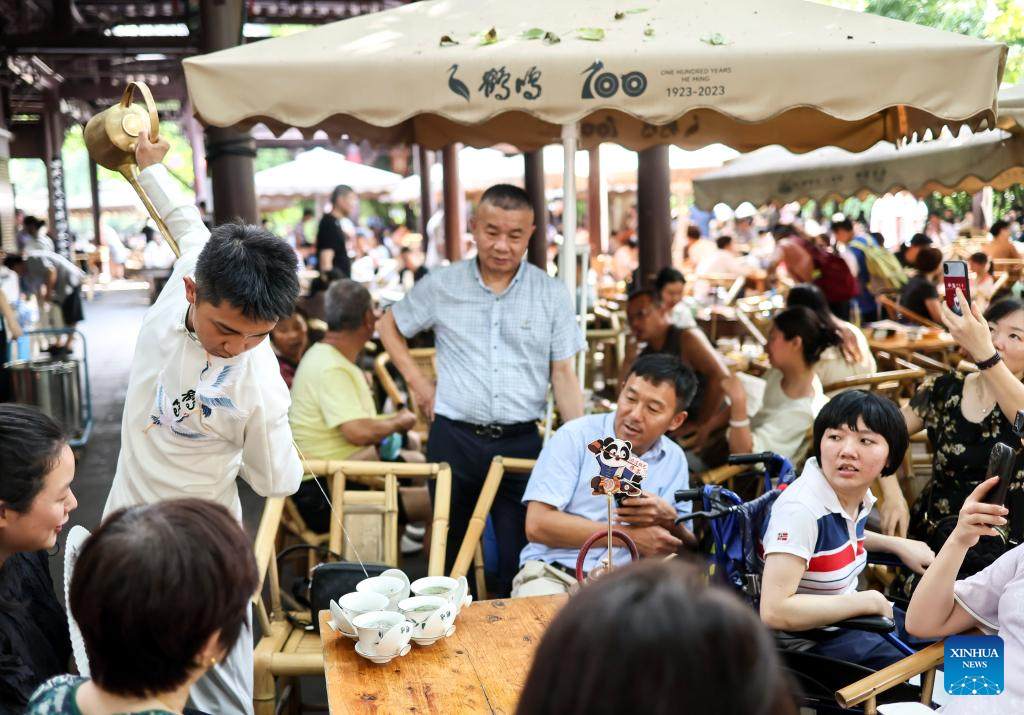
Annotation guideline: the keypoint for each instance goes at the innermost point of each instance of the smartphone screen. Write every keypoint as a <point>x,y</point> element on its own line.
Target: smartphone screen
<point>954,275</point>
<point>1000,464</point>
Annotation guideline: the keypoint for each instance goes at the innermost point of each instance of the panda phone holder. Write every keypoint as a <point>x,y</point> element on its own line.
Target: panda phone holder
<point>619,476</point>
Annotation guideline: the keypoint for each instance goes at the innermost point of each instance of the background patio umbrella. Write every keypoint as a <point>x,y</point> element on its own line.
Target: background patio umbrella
<point>966,163</point>
<point>948,164</point>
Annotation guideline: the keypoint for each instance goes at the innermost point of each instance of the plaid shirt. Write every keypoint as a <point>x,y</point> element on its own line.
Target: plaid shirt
<point>494,351</point>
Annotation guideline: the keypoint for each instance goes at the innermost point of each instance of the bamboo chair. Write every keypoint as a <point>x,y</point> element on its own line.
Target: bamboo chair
<point>930,365</point>
<point>894,384</point>
<point>727,473</point>
<point>426,360</point>
<point>1003,266</point>
<point>470,550</point>
<point>866,690</point>
<point>288,652</point>
<point>895,310</point>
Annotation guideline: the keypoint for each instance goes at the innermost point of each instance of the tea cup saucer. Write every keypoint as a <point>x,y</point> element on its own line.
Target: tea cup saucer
<point>432,640</point>
<point>381,659</point>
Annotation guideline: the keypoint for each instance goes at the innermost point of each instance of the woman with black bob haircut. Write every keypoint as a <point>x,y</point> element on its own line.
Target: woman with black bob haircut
<point>36,470</point>
<point>816,543</point>
<point>160,594</point>
<point>852,356</point>
<point>652,638</point>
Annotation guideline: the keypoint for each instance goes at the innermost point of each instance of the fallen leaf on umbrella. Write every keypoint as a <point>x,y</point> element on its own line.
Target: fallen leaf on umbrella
<point>593,34</point>
<point>448,41</point>
<point>534,33</point>
<point>551,38</point>
<point>714,38</point>
<point>489,37</point>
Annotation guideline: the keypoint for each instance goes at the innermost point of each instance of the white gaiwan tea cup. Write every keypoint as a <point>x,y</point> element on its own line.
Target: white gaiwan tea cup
<point>432,618</point>
<point>354,604</point>
<point>382,635</point>
<point>455,591</point>
<point>394,588</point>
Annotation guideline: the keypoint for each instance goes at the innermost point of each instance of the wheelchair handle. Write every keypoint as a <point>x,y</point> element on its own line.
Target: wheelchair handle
<point>688,494</point>
<point>752,458</point>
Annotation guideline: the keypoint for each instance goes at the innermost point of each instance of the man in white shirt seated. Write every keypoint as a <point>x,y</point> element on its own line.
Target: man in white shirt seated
<point>561,509</point>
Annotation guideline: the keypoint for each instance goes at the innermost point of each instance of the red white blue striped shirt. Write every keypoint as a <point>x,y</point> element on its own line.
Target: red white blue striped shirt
<point>808,521</point>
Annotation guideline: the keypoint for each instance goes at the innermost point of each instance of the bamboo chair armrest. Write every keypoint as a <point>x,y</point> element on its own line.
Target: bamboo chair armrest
<point>718,475</point>
<point>892,675</point>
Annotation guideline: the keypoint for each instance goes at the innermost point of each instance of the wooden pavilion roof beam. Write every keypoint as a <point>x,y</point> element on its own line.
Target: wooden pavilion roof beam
<point>50,43</point>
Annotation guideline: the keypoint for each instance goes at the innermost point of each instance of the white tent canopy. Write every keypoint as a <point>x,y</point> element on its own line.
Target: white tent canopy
<point>317,172</point>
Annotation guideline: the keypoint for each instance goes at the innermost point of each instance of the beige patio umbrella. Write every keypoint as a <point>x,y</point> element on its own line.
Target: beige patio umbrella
<point>993,158</point>
<point>746,73</point>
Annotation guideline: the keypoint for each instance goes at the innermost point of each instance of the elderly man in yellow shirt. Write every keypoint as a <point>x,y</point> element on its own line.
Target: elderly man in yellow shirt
<point>333,415</point>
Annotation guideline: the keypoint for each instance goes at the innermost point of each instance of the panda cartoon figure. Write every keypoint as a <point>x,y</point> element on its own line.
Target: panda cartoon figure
<point>617,473</point>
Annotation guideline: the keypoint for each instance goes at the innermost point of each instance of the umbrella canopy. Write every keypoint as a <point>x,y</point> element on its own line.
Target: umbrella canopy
<point>994,158</point>
<point>1011,107</point>
<point>318,171</point>
<point>746,73</point>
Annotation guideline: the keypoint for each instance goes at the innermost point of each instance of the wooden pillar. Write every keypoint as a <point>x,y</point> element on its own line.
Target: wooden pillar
<point>53,135</point>
<point>533,179</point>
<point>654,216</point>
<point>597,203</point>
<point>7,228</point>
<point>230,153</point>
<point>453,204</point>
<point>194,133</point>
<point>94,190</point>
<point>425,162</point>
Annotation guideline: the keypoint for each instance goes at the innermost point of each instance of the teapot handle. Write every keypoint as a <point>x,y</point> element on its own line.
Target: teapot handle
<point>147,97</point>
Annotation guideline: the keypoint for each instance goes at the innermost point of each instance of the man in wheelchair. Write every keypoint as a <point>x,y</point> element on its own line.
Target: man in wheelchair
<point>816,545</point>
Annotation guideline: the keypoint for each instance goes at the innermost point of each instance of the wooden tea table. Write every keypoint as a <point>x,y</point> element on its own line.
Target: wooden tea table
<point>481,668</point>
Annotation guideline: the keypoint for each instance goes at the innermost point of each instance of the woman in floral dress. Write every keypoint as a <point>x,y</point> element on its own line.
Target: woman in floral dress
<point>964,420</point>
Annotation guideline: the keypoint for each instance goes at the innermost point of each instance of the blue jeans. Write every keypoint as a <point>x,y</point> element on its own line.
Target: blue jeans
<point>870,650</point>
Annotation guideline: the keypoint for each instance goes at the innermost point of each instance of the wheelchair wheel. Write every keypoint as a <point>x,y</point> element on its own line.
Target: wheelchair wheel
<point>818,678</point>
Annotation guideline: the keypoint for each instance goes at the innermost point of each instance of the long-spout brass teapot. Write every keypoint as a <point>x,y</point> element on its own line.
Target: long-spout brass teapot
<point>111,137</point>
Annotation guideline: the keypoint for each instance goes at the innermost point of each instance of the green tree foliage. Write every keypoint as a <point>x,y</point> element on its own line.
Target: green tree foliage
<point>995,20</point>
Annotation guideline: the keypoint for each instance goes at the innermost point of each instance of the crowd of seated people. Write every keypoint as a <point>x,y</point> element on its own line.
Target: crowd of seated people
<point>510,336</point>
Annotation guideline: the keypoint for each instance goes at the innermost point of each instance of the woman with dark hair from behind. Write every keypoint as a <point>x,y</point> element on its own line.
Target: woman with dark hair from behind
<point>920,294</point>
<point>652,638</point>
<point>792,392</point>
<point>149,637</point>
<point>36,470</point>
<point>852,356</point>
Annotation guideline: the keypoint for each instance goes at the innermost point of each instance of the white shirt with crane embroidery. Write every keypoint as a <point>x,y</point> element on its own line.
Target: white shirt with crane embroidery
<point>194,422</point>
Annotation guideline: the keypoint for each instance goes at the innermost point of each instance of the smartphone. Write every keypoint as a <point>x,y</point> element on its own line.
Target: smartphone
<point>1000,464</point>
<point>954,275</point>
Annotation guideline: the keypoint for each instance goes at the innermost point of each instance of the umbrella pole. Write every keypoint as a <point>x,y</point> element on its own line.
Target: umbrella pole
<point>567,257</point>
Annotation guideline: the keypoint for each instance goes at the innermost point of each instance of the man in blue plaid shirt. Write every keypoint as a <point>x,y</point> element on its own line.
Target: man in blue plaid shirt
<point>505,330</point>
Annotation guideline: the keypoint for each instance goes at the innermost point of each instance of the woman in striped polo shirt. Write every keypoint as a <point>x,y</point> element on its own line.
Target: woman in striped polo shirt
<point>816,544</point>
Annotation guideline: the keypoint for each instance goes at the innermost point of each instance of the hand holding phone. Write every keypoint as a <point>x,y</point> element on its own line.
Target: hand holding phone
<point>954,275</point>
<point>1000,464</point>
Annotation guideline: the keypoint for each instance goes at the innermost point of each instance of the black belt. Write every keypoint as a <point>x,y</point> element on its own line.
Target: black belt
<point>496,431</point>
<point>564,569</point>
